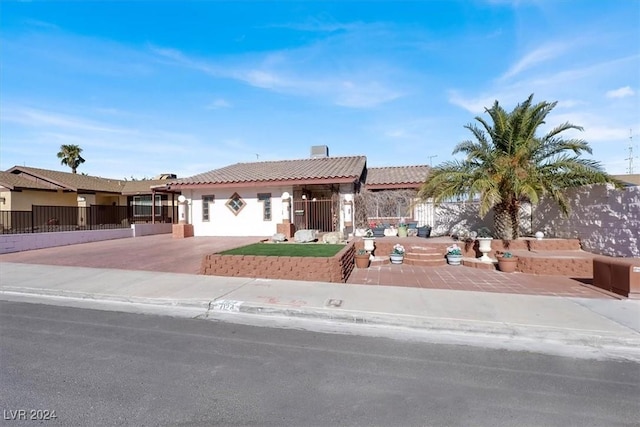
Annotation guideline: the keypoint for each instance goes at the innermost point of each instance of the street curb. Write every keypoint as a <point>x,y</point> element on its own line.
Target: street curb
<point>627,347</point>
<point>490,330</point>
<point>83,296</point>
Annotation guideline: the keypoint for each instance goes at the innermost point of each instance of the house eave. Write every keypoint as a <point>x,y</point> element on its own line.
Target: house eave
<point>278,183</point>
<point>398,186</point>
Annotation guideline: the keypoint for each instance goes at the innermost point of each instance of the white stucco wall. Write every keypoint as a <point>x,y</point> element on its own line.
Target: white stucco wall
<point>248,222</point>
<point>347,214</point>
<point>606,220</point>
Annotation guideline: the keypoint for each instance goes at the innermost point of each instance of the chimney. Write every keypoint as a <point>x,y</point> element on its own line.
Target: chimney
<point>319,151</point>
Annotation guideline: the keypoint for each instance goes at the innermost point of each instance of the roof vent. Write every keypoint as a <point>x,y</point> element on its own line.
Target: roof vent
<point>319,151</point>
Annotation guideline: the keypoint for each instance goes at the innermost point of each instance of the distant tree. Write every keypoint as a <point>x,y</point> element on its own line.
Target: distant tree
<point>69,155</point>
<point>508,163</point>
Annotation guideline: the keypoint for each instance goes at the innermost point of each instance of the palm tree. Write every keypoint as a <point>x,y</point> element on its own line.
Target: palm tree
<point>70,156</point>
<point>508,164</point>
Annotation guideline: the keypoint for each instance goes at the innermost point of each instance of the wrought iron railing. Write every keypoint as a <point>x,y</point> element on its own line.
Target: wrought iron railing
<point>321,215</point>
<point>70,218</point>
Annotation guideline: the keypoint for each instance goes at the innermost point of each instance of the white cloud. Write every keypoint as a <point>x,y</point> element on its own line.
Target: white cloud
<point>477,105</point>
<point>218,104</point>
<point>39,118</point>
<point>364,85</point>
<point>621,92</point>
<point>537,56</point>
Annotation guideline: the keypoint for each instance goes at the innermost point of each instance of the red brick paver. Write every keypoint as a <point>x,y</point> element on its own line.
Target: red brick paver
<point>150,253</point>
<point>473,279</point>
<point>165,254</point>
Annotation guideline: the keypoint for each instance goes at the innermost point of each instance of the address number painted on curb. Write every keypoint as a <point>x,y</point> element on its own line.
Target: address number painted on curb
<point>227,305</point>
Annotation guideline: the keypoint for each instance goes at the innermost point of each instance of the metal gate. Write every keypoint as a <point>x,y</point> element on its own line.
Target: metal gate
<point>424,213</point>
<point>321,215</point>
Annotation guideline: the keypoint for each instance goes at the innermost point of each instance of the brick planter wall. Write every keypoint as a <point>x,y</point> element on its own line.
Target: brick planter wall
<point>334,269</point>
<point>575,266</point>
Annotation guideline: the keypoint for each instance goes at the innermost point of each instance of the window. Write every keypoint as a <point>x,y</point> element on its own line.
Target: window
<point>235,203</point>
<point>206,200</point>
<point>142,205</point>
<point>265,198</point>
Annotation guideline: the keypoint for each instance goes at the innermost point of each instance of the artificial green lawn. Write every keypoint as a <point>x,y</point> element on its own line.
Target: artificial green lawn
<point>286,249</point>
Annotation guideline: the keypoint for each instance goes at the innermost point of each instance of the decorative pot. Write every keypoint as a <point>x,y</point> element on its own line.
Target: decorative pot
<point>539,235</point>
<point>454,259</point>
<point>360,232</point>
<point>390,232</point>
<point>362,261</point>
<point>378,232</point>
<point>402,231</point>
<point>484,246</point>
<point>396,258</point>
<point>507,265</point>
<point>369,244</point>
<point>424,231</point>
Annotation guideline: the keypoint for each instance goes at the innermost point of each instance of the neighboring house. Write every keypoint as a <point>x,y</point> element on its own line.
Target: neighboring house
<point>68,189</point>
<point>19,193</point>
<point>246,199</point>
<point>139,196</point>
<point>50,195</point>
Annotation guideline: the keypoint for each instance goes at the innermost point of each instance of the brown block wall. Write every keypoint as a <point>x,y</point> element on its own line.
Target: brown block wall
<point>335,269</point>
<point>619,275</point>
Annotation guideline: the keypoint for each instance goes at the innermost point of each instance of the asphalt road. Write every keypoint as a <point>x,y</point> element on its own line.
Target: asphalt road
<point>109,368</point>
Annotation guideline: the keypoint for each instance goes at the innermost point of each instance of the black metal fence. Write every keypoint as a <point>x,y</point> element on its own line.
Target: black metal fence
<point>70,218</point>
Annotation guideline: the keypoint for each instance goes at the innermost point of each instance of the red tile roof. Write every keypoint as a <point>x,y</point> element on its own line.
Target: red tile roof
<point>396,177</point>
<point>327,169</point>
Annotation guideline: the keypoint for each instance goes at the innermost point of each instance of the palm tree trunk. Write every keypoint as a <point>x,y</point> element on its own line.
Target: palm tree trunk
<point>514,214</point>
<point>503,222</point>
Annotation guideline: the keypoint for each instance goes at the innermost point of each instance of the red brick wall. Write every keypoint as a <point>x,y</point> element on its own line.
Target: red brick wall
<point>335,269</point>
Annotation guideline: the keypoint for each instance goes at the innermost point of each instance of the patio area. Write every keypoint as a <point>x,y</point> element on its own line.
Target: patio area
<point>165,254</point>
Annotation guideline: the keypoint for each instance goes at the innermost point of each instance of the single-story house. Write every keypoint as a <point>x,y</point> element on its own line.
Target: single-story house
<point>54,188</point>
<point>49,195</point>
<point>252,199</point>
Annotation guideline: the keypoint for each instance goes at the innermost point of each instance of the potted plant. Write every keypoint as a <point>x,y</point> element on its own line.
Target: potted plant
<point>378,229</point>
<point>402,228</point>
<point>397,254</point>
<point>362,258</point>
<point>390,231</point>
<point>507,262</point>
<point>454,254</point>
<point>484,243</point>
<point>368,240</point>
<point>424,231</point>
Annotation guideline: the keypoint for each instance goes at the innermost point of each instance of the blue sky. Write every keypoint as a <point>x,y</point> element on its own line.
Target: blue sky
<point>185,87</point>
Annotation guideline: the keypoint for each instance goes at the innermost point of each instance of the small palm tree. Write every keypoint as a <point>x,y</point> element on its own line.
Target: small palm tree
<point>70,156</point>
<point>508,164</point>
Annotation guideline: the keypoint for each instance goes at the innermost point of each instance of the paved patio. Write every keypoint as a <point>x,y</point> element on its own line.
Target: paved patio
<point>165,254</point>
<point>473,279</point>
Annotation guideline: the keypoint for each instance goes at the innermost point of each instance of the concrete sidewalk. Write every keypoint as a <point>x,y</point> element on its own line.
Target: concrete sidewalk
<point>603,327</point>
